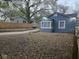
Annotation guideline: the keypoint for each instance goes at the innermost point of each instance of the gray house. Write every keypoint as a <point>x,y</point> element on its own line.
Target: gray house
<point>17,19</point>
<point>58,22</point>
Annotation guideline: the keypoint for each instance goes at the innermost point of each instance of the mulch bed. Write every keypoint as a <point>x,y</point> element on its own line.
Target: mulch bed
<point>37,46</point>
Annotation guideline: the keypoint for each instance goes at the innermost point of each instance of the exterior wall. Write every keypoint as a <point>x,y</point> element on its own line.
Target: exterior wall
<point>45,30</point>
<point>17,20</point>
<point>68,28</point>
<point>69,24</point>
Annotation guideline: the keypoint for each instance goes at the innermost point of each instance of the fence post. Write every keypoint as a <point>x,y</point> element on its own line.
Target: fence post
<point>0,57</point>
<point>75,45</point>
<point>4,56</point>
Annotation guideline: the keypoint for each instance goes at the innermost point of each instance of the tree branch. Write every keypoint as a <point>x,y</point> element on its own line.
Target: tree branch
<point>35,4</point>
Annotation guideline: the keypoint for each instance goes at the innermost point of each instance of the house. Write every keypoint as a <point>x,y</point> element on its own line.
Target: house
<point>58,22</point>
<point>3,18</point>
<point>17,19</point>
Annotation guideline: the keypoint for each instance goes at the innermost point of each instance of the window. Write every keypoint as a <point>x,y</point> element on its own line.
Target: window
<point>61,24</point>
<point>46,24</point>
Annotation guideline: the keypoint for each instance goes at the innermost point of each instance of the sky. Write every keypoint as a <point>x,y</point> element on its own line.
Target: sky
<point>70,3</point>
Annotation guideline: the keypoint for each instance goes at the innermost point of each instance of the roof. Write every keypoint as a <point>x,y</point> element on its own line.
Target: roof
<point>65,15</point>
<point>62,14</point>
<point>71,15</point>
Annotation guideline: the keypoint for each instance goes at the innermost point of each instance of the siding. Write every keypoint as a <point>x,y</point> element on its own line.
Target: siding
<point>69,25</point>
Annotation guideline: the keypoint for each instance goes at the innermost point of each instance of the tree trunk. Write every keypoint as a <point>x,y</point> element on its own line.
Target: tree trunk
<point>28,11</point>
<point>75,48</point>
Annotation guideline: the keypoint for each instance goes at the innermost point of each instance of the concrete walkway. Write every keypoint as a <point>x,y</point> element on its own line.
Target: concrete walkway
<point>21,32</point>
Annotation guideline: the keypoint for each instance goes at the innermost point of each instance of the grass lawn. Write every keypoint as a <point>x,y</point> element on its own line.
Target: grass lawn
<point>38,45</point>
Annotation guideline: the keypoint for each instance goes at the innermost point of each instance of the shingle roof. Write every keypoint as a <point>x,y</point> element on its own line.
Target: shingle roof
<point>66,15</point>
<point>71,15</point>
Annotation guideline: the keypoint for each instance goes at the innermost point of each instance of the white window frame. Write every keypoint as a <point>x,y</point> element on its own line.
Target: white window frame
<point>64,25</point>
<point>46,27</point>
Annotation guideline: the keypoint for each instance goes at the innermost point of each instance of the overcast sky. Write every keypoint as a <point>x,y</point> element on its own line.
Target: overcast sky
<point>70,3</point>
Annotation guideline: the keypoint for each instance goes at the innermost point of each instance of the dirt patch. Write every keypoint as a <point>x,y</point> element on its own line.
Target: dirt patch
<point>38,45</point>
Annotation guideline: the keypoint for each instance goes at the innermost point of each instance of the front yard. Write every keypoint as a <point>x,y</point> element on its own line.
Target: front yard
<point>37,46</point>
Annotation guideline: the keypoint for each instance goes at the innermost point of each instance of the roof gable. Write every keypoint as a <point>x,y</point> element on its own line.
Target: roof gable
<point>57,14</point>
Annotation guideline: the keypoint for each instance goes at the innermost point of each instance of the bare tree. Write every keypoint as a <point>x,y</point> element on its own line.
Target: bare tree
<point>31,8</point>
<point>62,8</point>
<point>52,4</point>
<point>34,7</point>
<point>3,7</point>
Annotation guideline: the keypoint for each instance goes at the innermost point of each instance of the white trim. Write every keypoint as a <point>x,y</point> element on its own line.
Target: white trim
<point>46,27</point>
<point>64,25</point>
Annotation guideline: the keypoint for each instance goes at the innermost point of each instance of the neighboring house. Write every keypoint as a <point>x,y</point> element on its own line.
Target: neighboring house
<point>17,19</point>
<point>3,19</point>
<point>58,22</point>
